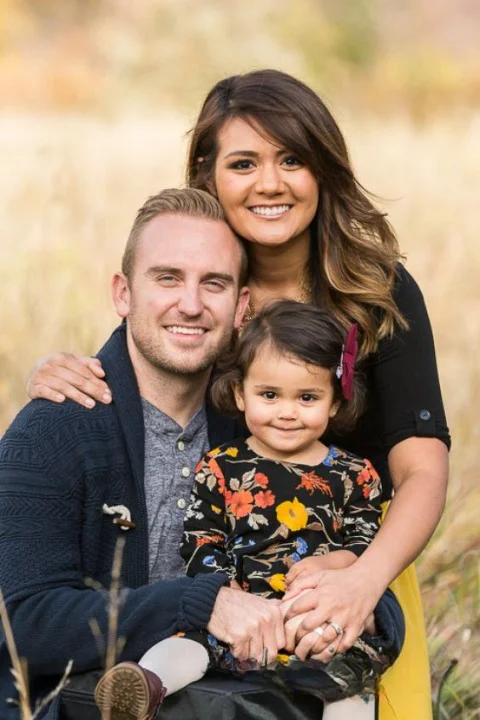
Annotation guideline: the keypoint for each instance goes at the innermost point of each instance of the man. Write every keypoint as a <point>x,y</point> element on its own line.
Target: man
<point>73,481</point>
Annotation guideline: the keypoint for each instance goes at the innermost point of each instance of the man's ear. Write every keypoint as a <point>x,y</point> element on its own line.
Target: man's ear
<point>242,304</point>
<point>238,393</point>
<point>121,294</point>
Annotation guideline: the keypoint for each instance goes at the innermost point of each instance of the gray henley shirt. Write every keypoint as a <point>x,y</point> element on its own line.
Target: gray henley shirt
<point>171,454</point>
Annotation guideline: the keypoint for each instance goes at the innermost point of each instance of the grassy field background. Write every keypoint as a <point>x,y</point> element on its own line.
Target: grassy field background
<point>95,100</point>
<point>70,187</point>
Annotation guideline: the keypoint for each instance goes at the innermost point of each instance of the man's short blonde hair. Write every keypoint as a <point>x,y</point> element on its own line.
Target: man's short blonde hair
<point>175,201</point>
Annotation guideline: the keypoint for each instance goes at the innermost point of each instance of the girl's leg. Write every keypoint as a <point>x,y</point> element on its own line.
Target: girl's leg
<point>350,708</point>
<point>177,661</point>
<point>136,690</point>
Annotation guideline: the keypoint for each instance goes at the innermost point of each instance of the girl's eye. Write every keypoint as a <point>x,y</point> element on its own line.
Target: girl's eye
<point>269,395</point>
<point>308,397</point>
<point>241,165</point>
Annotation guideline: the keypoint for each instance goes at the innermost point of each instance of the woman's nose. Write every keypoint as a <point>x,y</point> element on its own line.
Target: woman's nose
<point>269,180</point>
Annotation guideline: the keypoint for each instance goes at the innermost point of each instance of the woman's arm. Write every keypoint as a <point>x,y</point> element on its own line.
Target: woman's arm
<point>406,395</point>
<point>63,375</point>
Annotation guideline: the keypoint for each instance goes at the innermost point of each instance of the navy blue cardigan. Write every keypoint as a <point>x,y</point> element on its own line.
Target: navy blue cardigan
<point>58,465</point>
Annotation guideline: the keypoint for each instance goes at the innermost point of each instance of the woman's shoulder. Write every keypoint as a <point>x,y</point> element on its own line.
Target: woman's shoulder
<point>406,291</point>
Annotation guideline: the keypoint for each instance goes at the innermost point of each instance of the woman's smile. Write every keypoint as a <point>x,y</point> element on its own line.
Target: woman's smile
<point>269,195</point>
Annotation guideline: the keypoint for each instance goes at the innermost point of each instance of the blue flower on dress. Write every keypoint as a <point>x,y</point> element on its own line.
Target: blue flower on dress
<point>295,557</point>
<point>209,561</point>
<point>301,546</point>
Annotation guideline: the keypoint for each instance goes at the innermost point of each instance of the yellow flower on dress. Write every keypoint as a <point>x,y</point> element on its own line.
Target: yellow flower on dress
<point>214,452</point>
<point>216,509</point>
<point>293,514</point>
<point>232,451</point>
<point>283,659</point>
<point>277,582</point>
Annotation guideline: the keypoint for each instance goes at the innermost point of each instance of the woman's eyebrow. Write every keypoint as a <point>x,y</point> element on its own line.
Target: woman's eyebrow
<point>253,153</point>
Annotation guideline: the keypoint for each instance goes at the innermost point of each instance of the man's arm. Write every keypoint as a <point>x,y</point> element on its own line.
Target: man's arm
<point>43,511</point>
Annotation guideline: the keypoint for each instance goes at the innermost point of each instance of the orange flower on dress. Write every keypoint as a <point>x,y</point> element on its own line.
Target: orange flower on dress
<point>210,539</point>
<point>264,499</point>
<point>292,514</point>
<point>260,479</point>
<point>241,503</point>
<point>311,481</point>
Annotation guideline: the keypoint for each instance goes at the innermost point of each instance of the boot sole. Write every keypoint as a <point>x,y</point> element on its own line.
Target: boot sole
<point>123,694</point>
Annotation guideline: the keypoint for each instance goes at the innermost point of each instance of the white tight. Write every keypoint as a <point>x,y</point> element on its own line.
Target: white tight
<point>177,661</point>
<point>354,708</point>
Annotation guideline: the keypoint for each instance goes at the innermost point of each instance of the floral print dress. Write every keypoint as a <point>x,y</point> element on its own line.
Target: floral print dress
<point>253,518</point>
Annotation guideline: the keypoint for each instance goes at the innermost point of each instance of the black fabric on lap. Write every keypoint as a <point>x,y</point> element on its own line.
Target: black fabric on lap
<point>215,697</point>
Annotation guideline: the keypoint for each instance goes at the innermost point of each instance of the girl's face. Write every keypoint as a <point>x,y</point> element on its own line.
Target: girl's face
<point>287,405</point>
<point>268,195</point>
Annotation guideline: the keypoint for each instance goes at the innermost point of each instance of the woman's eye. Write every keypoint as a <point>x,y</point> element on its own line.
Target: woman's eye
<point>269,395</point>
<point>292,161</point>
<point>241,165</point>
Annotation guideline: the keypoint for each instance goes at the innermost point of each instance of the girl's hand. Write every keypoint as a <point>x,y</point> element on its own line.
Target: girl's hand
<point>344,597</point>
<point>64,375</point>
<point>310,568</point>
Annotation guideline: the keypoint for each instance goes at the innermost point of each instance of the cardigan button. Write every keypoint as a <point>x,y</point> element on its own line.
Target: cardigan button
<point>185,471</point>
<point>181,503</point>
<point>425,415</point>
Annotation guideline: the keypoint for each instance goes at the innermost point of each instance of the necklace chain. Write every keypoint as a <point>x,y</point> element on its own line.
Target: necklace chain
<point>303,295</point>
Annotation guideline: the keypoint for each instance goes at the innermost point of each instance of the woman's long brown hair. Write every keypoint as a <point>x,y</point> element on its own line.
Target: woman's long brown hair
<point>354,251</point>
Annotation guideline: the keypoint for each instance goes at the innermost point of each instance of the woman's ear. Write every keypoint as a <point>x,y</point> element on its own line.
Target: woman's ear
<point>238,393</point>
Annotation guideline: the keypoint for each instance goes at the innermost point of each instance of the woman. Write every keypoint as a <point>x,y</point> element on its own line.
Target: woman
<point>269,149</point>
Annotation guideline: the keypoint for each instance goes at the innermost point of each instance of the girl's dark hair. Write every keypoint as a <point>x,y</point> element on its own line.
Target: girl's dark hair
<point>354,251</point>
<point>303,332</point>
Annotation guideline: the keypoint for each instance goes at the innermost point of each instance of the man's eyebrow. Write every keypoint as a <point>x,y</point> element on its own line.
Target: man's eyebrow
<point>156,269</point>
<point>218,276</point>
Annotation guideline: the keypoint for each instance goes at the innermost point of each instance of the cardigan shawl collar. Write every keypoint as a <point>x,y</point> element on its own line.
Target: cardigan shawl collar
<point>121,378</point>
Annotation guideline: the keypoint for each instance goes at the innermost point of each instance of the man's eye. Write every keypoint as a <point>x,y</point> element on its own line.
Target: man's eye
<point>215,285</point>
<point>269,395</point>
<point>166,279</point>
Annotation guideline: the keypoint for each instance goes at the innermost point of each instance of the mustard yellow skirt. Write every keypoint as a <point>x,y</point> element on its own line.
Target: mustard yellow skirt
<point>404,691</point>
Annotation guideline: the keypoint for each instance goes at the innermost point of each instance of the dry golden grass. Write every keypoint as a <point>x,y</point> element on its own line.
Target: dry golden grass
<point>70,188</point>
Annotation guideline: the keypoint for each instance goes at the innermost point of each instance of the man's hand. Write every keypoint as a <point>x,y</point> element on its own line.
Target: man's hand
<point>65,375</point>
<point>310,568</point>
<point>249,624</point>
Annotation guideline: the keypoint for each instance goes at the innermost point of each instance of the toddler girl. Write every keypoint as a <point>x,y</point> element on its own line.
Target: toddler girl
<point>260,505</point>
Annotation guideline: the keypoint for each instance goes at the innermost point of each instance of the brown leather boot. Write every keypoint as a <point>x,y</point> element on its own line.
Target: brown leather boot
<point>129,692</point>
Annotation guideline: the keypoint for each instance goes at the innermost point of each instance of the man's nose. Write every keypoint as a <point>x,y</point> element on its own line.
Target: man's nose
<point>190,301</point>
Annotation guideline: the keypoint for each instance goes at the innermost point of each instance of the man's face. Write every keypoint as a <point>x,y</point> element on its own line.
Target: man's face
<point>183,299</point>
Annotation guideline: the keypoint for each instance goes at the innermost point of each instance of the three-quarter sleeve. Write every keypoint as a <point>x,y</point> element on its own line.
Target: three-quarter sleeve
<point>404,372</point>
<point>205,530</point>
<point>362,511</point>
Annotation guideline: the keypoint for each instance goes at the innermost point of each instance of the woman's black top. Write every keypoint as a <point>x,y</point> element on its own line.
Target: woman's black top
<point>403,389</point>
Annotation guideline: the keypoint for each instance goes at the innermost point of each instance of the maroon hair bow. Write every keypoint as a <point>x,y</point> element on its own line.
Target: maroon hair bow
<point>348,358</point>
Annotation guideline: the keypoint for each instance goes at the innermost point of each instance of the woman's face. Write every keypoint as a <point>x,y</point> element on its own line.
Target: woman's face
<point>268,195</point>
